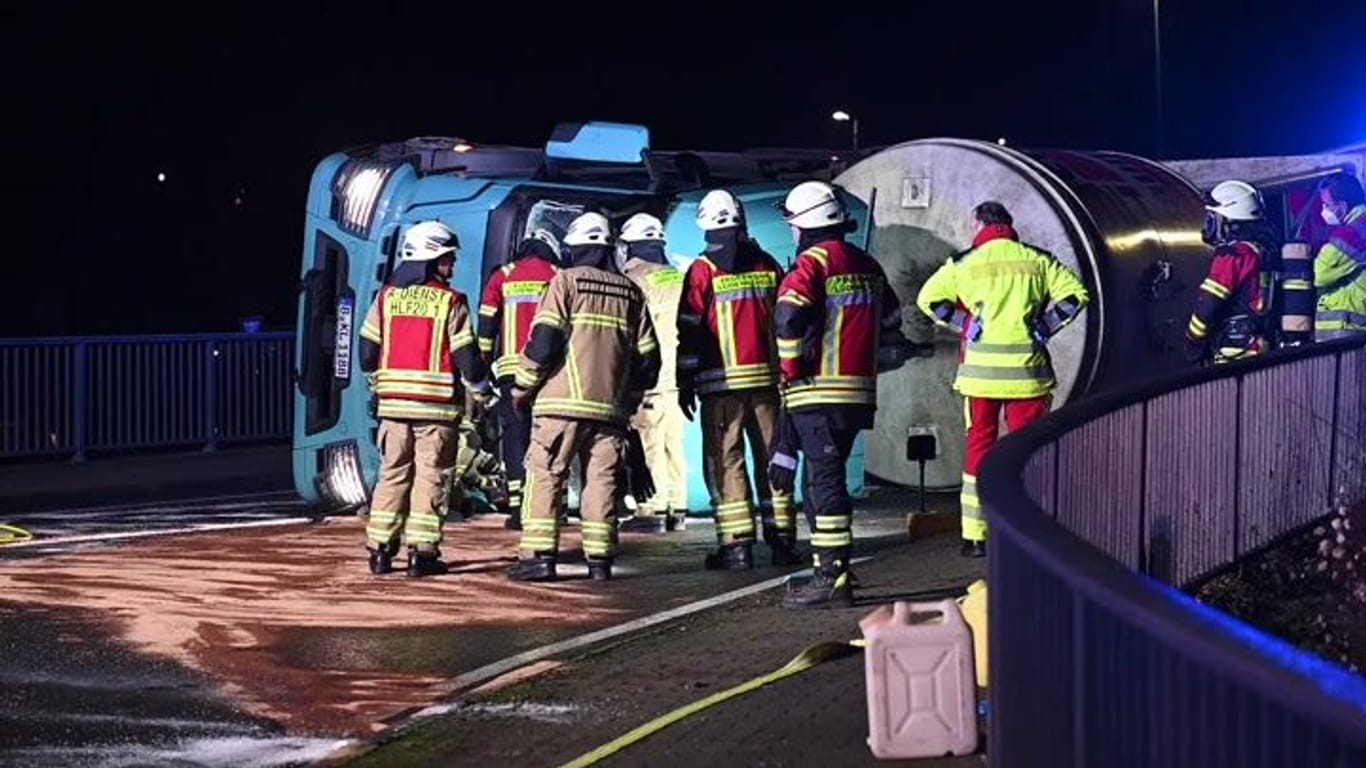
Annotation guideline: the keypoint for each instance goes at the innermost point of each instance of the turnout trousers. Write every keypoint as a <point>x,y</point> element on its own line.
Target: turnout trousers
<point>410,494</point>
<point>727,419</point>
<point>660,424</point>
<point>515,424</point>
<point>983,417</point>
<point>827,506</point>
<point>555,443</point>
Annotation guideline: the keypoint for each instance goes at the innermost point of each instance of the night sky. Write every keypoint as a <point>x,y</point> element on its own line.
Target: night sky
<point>236,109</point>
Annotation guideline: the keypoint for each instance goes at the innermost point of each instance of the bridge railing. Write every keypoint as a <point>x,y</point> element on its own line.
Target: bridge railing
<point>77,395</point>
<point>1103,509</point>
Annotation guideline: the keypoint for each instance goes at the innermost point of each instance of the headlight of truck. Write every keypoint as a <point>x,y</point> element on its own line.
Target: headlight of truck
<point>340,480</point>
<point>357,190</point>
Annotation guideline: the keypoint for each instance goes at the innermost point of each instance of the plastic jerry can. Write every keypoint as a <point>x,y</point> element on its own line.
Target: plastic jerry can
<point>974,608</point>
<point>919,671</point>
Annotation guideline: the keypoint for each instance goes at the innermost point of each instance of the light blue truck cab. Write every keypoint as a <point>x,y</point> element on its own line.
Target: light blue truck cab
<point>360,202</point>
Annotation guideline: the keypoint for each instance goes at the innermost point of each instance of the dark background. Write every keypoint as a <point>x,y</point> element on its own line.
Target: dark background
<point>236,109</point>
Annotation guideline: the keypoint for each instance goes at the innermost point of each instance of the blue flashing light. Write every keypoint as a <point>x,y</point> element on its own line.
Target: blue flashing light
<point>1334,680</point>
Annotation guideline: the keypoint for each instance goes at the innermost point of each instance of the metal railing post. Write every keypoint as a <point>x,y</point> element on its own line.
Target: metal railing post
<point>80,411</point>
<point>211,396</point>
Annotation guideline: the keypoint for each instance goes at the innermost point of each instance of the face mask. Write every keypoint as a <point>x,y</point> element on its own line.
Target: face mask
<point>1330,217</point>
<point>796,236</point>
<point>649,250</point>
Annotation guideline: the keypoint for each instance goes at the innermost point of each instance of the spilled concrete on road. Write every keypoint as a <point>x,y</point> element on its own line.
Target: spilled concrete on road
<point>284,632</point>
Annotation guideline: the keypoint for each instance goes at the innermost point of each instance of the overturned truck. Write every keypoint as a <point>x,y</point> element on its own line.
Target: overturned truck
<point>1130,226</point>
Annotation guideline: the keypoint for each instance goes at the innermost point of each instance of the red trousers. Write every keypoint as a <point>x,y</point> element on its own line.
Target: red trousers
<point>983,416</point>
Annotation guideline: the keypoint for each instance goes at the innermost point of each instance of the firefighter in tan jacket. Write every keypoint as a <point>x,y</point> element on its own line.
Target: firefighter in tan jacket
<point>640,256</point>
<point>591,357</point>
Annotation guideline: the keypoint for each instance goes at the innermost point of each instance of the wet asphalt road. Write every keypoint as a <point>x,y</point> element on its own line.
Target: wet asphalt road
<point>71,697</point>
<point>56,530</point>
<point>70,694</point>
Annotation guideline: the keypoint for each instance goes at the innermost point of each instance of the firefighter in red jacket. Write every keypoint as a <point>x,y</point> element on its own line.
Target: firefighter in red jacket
<point>1229,320</point>
<point>505,316</point>
<point>418,342</point>
<point>727,357</point>
<point>838,324</point>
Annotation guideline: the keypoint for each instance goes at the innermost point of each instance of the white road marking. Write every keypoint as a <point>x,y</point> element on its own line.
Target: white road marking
<point>62,540</point>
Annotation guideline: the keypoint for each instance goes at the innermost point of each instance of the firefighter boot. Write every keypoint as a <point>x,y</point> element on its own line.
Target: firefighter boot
<point>782,546</point>
<point>382,558</point>
<point>828,588</point>
<point>537,568</point>
<point>736,556</point>
<point>972,548</point>
<point>425,562</point>
<point>600,568</point>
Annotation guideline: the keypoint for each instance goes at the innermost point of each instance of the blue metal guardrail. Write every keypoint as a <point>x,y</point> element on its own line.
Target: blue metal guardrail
<point>1096,660</point>
<point>108,393</point>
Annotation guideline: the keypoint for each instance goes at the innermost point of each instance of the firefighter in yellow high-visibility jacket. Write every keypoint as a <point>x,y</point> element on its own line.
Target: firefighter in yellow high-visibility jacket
<point>1005,299</point>
<point>418,342</point>
<point>1340,266</point>
<point>659,420</point>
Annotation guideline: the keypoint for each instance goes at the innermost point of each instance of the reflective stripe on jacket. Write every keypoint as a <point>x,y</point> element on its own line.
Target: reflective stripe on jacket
<point>1015,297</point>
<point>507,309</point>
<point>1231,301</point>
<point>725,327</point>
<point>835,308</point>
<point>663,289</point>
<point>1340,278</point>
<point>593,351</point>
<point>419,329</point>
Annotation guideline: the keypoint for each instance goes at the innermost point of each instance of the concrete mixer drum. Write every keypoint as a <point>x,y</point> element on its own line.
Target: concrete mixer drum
<point>1128,225</point>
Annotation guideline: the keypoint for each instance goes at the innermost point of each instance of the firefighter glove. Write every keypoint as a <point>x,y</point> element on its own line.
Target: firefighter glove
<point>642,482</point>
<point>687,402</point>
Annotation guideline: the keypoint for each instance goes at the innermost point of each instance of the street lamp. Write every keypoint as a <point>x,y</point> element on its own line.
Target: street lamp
<point>840,116</point>
<point>1157,72</point>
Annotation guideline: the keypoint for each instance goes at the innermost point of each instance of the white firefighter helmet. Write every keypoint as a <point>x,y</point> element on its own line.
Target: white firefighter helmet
<point>428,240</point>
<point>588,229</point>
<point>547,237</point>
<point>641,227</point>
<point>813,205</point>
<point>1236,201</point>
<point>719,210</point>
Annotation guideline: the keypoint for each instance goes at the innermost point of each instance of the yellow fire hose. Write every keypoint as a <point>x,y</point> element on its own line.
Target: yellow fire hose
<point>808,658</point>
<point>10,534</point>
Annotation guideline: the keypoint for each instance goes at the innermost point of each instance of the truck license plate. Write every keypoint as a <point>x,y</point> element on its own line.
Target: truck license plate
<point>342,360</point>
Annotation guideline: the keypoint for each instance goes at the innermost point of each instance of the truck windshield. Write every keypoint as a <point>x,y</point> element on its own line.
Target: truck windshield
<point>552,216</point>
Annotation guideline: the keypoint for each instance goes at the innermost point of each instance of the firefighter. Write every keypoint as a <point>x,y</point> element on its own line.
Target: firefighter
<point>477,476</point>
<point>1230,317</point>
<point>640,256</point>
<point>1340,266</point>
<point>418,342</point>
<point>505,315</point>
<point>1005,299</point>
<point>837,317</point>
<point>727,357</point>
<point>591,357</point>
